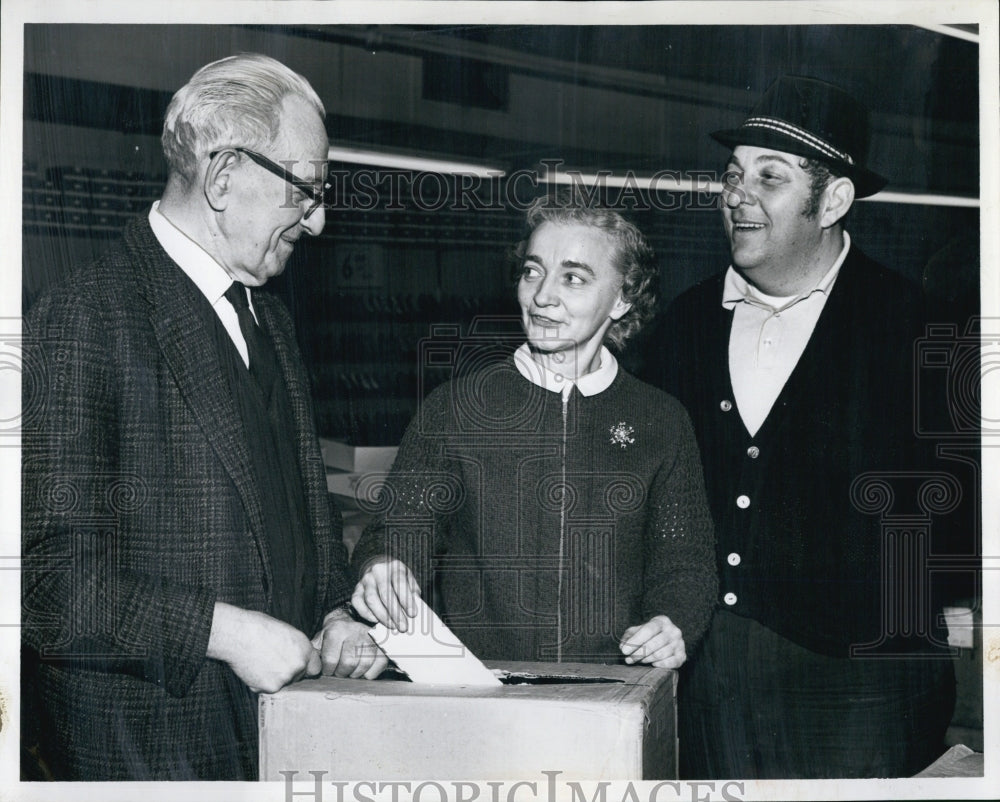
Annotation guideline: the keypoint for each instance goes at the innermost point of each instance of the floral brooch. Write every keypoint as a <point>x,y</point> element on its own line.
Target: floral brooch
<point>621,434</point>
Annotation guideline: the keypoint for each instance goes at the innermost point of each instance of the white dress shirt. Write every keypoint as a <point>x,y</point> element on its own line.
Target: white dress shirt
<point>768,337</point>
<point>207,274</point>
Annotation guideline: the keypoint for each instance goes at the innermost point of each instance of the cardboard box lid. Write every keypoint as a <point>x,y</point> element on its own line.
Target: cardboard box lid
<point>582,683</point>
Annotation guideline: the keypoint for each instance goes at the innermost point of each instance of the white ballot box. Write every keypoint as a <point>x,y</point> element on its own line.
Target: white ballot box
<point>585,721</point>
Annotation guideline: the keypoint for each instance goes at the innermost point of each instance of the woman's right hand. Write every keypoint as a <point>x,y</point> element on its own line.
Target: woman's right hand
<point>387,593</point>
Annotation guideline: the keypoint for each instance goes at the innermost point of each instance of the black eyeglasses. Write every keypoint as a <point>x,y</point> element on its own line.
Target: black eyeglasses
<point>316,196</point>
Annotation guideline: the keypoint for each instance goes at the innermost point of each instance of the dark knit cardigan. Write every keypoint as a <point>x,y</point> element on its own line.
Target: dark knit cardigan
<point>836,462</point>
<point>494,477</point>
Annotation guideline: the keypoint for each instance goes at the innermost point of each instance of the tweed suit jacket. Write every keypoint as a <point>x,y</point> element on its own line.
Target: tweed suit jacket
<point>139,513</point>
<point>807,555</point>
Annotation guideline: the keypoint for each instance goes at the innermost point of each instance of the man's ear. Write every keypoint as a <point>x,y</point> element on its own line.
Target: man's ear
<point>619,308</point>
<point>218,180</point>
<point>837,200</point>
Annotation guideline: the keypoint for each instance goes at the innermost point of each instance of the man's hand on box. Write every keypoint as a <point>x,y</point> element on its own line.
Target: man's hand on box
<point>264,652</point>
<point>387,593</point>
<point>657,643</point>
<point>345,648</point>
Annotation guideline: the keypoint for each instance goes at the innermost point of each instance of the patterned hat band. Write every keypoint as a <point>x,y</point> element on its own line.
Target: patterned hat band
<point>800,134</point>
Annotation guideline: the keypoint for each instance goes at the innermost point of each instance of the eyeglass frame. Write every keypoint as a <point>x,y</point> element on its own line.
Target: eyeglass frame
<point>317,197</point>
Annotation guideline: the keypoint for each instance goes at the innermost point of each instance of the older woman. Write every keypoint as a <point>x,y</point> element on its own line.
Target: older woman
<point>553,502</point>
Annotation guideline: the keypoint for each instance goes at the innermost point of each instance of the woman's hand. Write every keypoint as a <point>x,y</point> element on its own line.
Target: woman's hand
<point>657,643</point>
<point>387,592</point>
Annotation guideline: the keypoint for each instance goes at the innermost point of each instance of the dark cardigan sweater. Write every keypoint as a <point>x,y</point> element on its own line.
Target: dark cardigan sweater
<point>492,474</point>
<point>835,463</point>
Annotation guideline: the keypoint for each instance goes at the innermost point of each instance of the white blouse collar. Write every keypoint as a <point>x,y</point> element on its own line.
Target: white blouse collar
<point>592,383</point>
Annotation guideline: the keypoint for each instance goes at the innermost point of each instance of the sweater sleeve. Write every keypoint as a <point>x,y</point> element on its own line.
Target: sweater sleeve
<point>410,518</point>
<point>79,604</point>
<point>680,579</point>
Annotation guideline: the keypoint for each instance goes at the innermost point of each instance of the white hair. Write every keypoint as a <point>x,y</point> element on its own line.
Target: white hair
<point>232,101</point>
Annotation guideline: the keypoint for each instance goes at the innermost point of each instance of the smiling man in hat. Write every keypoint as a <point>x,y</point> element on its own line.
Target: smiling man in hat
<point>796,366</point>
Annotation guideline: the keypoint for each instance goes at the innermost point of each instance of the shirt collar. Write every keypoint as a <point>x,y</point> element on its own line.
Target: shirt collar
<point>737,288</point>
<point>592,383</point>
<point>195,261</point>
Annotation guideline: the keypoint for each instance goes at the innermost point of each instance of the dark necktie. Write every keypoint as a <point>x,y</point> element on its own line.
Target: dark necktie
<point>263,362</point>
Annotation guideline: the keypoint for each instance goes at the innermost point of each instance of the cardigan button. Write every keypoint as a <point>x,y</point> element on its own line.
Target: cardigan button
<point>734,559</point>
<point>730,599</point>
<point>753,452</point>
<point>743,502</point>
<point>726,405</point>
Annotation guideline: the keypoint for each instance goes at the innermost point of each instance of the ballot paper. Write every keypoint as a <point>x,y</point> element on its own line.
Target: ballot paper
<point>430,653</point>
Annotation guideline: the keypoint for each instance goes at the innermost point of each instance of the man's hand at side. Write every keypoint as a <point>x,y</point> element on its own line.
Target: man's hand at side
<point>346,649</point>
<point>264,652</point>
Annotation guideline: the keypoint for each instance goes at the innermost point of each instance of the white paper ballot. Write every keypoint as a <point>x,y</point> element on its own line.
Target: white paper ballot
<point>430,653</point>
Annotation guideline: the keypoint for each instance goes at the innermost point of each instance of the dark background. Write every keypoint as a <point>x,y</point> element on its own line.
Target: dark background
<point>385,271</point>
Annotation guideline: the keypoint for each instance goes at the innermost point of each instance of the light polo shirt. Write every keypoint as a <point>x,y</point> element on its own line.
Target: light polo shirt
<point>768,337</point>
<point>592,383</point>
<point>207,274</point>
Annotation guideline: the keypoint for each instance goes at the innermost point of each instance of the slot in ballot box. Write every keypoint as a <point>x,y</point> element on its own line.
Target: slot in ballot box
<point>588,721</point>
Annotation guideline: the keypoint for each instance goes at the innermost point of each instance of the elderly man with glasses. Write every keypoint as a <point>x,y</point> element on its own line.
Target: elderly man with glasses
<point>180,551</point>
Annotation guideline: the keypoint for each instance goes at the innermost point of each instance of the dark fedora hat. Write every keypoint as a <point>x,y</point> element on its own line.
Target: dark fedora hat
<point>815,119</point>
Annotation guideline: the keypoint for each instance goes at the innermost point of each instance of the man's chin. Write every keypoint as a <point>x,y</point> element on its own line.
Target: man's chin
<point>275,267</point>
<point>743,261</point>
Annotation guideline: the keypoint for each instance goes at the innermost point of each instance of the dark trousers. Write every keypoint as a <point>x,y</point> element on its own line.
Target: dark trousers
<point>754,705</point>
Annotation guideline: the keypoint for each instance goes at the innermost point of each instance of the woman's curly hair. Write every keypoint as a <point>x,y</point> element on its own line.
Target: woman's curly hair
<point>634,258</point>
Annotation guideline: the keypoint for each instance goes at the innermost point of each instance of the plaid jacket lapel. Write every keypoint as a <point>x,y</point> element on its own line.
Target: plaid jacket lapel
<point>188,348</point>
